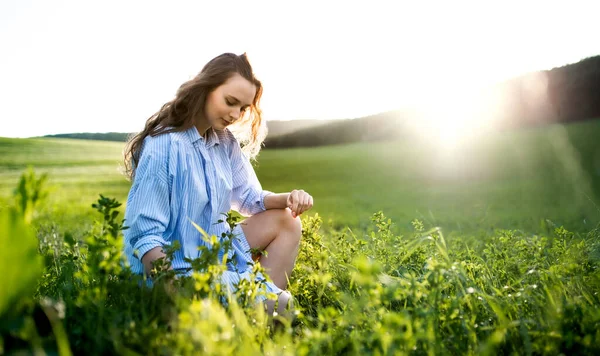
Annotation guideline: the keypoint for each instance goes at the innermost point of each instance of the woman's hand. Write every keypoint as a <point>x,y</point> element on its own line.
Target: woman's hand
<point>299,201</point>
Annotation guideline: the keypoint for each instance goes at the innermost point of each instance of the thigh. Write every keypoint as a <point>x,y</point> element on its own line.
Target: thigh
<point>261,229</point>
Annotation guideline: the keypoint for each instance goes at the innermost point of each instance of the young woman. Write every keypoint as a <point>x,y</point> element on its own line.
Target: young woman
<point>187,166</point>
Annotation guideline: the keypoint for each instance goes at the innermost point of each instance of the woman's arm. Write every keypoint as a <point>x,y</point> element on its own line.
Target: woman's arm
<point>148,205</point>
<point>152,256</point>
<point>276,201</point>
<point>298,201</point>
<point>248,197</point>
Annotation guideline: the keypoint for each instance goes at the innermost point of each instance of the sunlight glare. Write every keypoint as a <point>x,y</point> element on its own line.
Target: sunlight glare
<point>452,120</point>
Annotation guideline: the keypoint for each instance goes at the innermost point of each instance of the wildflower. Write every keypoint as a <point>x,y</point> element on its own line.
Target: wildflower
<point>470,290</point>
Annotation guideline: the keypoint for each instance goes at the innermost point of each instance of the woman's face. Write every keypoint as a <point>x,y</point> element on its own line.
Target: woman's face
<point>227,103</point>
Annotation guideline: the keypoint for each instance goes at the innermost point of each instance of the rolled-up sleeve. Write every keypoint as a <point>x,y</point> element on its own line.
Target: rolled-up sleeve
<point>248,197</point>
<point>148,206</point>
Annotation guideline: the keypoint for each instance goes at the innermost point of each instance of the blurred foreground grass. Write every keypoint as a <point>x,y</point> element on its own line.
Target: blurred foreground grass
<point>374,293</point>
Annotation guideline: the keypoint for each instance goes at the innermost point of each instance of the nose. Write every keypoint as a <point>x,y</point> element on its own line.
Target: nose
<point>234,115</point>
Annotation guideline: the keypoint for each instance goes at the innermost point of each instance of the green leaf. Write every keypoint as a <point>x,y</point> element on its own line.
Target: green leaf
<point>20,263</point>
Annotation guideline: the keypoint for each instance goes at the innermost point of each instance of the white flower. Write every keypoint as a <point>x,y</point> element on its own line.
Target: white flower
<point>470,290</point>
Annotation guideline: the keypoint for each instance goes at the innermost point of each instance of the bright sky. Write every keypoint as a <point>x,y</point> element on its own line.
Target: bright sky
<point>83,66</point>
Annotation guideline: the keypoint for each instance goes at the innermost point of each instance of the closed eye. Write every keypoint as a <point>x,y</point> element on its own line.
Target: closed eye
<point>231,101</point>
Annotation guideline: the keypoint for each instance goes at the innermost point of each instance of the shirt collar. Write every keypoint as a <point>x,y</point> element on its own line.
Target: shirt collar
<point>212,137</point>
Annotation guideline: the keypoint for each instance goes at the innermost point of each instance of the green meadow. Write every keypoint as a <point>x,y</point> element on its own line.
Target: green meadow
<point>416,246</point>
<point>508,180</point>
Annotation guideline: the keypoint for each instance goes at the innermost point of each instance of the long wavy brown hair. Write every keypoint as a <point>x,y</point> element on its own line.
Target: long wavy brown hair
<point>180,113</point>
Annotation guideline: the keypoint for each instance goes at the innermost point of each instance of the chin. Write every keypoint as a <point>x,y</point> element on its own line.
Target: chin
<point>221,125</point>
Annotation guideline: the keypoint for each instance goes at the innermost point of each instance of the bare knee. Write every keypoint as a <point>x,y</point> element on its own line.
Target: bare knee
<point>291,224</point>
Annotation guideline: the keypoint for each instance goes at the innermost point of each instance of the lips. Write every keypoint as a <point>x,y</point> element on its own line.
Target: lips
<point>225,122</point>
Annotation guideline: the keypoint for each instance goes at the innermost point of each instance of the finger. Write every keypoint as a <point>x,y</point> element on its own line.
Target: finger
<point>305,201</point>
<point>290,204</point>
<point>294,197</point>
<point>301,196</point>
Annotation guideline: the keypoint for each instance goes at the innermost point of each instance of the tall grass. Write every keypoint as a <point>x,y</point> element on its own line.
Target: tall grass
<point>379,292</point>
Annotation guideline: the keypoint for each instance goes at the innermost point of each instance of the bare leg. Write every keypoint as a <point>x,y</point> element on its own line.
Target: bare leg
<point>278,233</point>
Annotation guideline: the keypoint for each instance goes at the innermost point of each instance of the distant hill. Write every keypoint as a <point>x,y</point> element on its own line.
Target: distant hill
<point>108,136</point>
<point>565,94</point>
<point>383,126</point>
<point>279,127</point>
<point>275,127</point>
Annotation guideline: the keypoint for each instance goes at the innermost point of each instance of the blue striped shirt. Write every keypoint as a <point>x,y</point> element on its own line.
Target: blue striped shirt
<point>180,177</point>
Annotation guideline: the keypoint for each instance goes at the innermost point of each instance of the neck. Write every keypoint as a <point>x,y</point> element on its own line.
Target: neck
<point>202,126</point>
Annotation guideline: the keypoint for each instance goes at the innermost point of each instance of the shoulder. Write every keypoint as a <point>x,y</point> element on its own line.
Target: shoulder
<point>156,143</point>
<point>226,137</point>
<point>163,144</point>
<point>164,151</point>
<point>162,154</point>
<point>228,140</point>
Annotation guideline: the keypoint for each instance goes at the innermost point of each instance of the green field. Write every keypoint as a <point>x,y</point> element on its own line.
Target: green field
<point>514,267</point>
<point>503,180</point>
